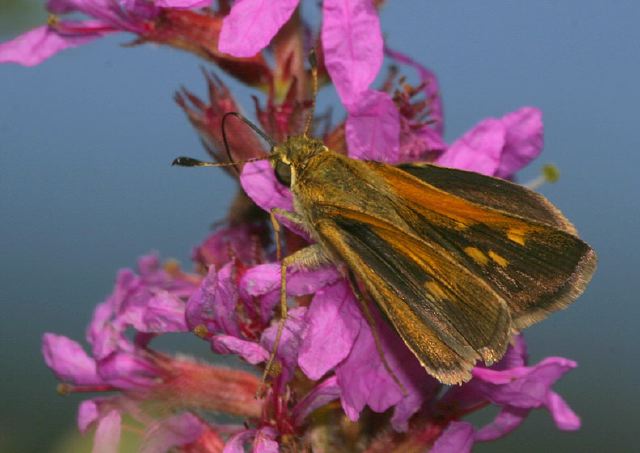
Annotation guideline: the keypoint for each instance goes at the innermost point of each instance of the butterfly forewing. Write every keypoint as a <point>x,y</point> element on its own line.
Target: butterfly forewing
<point>508,235</point>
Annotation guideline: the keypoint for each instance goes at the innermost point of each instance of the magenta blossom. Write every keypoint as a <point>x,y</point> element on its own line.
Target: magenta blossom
<point>516,389</point>
<point>106,17</point>
<point>151,302</point>
<point>352,47</point>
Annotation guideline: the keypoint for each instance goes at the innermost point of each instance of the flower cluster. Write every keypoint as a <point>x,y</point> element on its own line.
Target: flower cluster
<point>331,390</point>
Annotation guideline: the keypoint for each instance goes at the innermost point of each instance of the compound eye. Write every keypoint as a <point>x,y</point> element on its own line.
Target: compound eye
<point>283,173</point>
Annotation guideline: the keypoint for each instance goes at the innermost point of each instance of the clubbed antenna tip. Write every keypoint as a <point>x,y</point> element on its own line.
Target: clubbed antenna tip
<point>183,161</point>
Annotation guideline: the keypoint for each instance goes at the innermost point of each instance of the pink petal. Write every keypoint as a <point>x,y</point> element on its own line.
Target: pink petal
<point>458,437</point>
<point>213,304</point>
<point>423,144</point>
<point>61,6</point>
<point>562,414</point>
<point>248,350</point>
<point>238,241</point>
<point>165,313</point>
<point>516,355</point>
<point>149,264</point>
<point>35,46</point>
<point>352,45</point>
<point>524,140</point>
<point>522,386</point>
<point>478,150</point>
<point>128,371</point>
<point>107,437</point>
<point>508,419</point>
<point>363,378</point>
<point>265,278</point>
<point>68,360</point>
<point>182,4</point>
<point>235,444</point>
<point>373,128</point>
<point>87,414</point>
<point>251,24</point>
<point>319,396</point>
<point>431,88</point>
<point>333,323</point>
<point>264,443</point>
<point>289,341</point>
<point>176,431</point>
<point>259,182</point>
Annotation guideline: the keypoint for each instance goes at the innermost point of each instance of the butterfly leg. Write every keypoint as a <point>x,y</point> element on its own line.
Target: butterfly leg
<point>310,256</point>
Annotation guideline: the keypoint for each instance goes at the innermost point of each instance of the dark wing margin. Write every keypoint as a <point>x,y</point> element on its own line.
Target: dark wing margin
<point>448,317</point>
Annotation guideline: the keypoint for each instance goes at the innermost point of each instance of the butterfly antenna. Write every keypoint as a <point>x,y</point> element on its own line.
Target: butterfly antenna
<point>313,61</point>
<point>246,121</point>
<point>184,161</point>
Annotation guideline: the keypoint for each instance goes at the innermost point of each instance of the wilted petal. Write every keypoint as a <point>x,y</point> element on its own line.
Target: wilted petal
<point>479,150</point>
<point>251,24</point>
<point>352,45</point>
<point>373,128</point>
<point>508,419</point>
<point>421,144</point>
<point>431,89</point>
<point>107,437</point>
<point>265,278</point>
<point>68,360</point>
<point>333,323</point>
<point>363,378</point>
<point>321,394</point>
<point>290,340</point>
<point>213,304</point>
<point>264,441</point>
<point>165,313</point>
<point>238,241</point>
<point>35,46</point>
<point>259,182</point>
<point>250,351</point>
<point>458,437</point>
<point>523,142</point>
<point>562,414</point>
<point>128,371</point>
<point>176,431</point>
<point>235,444</point>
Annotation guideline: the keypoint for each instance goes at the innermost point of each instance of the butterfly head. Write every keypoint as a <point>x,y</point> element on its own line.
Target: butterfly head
<point>289,158</point>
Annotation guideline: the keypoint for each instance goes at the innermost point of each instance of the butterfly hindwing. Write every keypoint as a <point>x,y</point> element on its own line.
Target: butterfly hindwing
<point>448,322</point>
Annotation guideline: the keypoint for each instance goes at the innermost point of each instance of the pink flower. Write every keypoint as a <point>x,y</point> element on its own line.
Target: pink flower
<point>516,389</point>
<point>498,147</point>
<point>152,303</point>
<point>353,53</point>
<point>252,24</point>
<point>107,17</point>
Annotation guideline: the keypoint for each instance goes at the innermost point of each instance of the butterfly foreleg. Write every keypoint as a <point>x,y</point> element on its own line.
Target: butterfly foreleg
<point>308,257</point>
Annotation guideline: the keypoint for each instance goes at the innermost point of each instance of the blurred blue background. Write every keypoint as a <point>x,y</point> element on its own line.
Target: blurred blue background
<point>85,186</point>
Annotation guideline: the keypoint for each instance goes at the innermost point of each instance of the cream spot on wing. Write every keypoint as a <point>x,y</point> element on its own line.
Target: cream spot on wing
<point>477,255</point>
<point>500,261</point>
<point>516,235</point>
<point>435,289</point>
